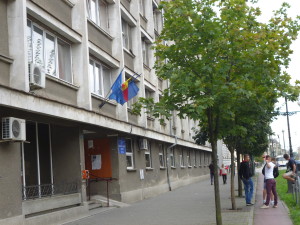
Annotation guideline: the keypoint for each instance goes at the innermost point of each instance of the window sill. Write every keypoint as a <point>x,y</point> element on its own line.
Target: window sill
<point>100,29</point>
<point>182,167</point>
<point>58,80</point>
<point>144,18</point>
<point>103,99</point>
<point>162,168</point>
<point>146,67</point>
<point>195,166</point>
<point>190,167</point>
<point>173,167</point>
<point>149,169</point>
<point>131,170</point>
<point>128,52</point>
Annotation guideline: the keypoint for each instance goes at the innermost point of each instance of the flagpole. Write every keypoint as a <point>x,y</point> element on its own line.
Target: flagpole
<point>106,99</point>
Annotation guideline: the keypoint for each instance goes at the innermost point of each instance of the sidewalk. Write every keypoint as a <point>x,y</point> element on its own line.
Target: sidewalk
<point>190,205</point>
<point>271,216</point>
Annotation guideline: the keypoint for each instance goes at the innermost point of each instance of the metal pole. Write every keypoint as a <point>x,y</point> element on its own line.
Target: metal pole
<point>289,132</point>
<point>283,142</point>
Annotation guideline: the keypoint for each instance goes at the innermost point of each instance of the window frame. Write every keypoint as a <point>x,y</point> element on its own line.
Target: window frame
<point>181,159</point>
<point>57,73</point>
<point>102,24</point>
<point>188,159</point>
<point>100,78</point>
<point>126,35</point>
<point>130,154</point>
<point>172,158</point>
<point>148,152</point>
<point>161,156</point>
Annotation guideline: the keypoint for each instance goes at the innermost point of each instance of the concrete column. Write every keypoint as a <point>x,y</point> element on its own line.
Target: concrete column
<point>80,55</point>
<point>10,180</point>
<point>16,21</point>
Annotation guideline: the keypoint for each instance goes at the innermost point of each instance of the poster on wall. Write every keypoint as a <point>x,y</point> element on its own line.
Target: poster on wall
<point>96,162</point>
<point>122,145</point>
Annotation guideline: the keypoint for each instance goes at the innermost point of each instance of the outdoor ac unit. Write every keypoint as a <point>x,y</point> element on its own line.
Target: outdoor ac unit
<point>36,76</point>
<point>13,129</point>
<point>143,144</point>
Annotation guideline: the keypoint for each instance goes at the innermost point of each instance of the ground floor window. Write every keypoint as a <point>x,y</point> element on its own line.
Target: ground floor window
<point>148,158</point>
<point>37,159</point>
<point>129,154</point>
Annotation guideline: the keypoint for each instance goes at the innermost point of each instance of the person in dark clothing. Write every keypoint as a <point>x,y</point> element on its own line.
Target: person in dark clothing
<point>291,169</point>
<point>245,173</point>
<point>212,170</point>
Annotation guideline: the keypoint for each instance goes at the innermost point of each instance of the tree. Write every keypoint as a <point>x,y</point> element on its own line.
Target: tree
<point>214,52</point>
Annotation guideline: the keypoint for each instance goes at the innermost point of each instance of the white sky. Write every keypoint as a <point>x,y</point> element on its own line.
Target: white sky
<point>267,6</point>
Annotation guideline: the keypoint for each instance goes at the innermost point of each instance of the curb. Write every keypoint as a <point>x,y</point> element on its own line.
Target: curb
<point>251,217</point>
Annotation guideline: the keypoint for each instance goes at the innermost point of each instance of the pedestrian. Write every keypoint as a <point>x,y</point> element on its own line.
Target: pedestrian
<point>212,171</point>
<point>245,174</point>
<point>270,183</point>
<point>291,169</point>
<point>224,174</point>
<point>265,189</point>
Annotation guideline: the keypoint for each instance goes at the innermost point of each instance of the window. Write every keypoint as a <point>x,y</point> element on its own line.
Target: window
<point>36,159</point>
<point>98,13</point>
<point>188,158</point>
<point>161,156</point>
<point>145,49</point>
<point>172,157</point>
<point>195,158</point>
<point>181,159</point>
<point>148,158</point>
<point>134,99</point>
<point>50,52</point>
<point>200,159</point>
<point>142,7</point>
<point>156,17</point>
<point>100,78</point>
<point>126,35</point>
<point>129,154</point>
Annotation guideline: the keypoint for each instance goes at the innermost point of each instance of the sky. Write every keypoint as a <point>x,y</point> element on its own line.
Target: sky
<point>280,124</point>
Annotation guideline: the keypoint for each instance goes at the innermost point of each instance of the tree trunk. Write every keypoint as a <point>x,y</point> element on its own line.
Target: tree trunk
<point>233,204</point>
<point>240,186</point>
<point>216,183</point>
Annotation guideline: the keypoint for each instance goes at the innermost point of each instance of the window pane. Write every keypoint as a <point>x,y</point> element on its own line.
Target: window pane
<point>129,160</point>
<point>91,73</point>
<point>98,89</point>
<point>103,11</point>
<point>64,61</point>
<point>93,11</point>
<point>106,79</point>
<point>38,48</point>
<point>128,145</point>
<point>50,54</point>
<point>148,160</point>
<point>44,153</point>
<point>30,155</point>
<point>29,41</point>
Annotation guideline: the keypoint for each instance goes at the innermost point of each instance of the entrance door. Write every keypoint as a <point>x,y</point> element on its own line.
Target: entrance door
<point>97,157</point>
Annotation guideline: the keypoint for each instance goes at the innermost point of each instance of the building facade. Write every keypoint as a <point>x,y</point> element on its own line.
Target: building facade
<point>58,60</point>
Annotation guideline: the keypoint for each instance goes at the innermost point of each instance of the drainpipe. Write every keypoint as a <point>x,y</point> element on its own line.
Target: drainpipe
<point>168,157</point>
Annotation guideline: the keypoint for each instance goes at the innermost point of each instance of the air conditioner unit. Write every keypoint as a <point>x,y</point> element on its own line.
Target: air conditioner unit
<point>143,144</point>
<point>36,76</point>
<point>13,129</point>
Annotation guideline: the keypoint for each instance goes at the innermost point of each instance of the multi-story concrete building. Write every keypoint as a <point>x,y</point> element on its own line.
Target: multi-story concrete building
<point>58,60</point>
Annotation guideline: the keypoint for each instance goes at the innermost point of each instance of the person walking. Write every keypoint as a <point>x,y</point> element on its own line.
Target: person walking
<point>224,174</point>
<point>270,183</point>
<point>245,174</point>
<point>212,170</point>
<point>291,169</point>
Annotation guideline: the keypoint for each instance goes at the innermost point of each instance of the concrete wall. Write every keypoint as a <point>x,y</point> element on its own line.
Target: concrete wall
<point>3,27</point>
<point>58,8</point>
<point>10,180</point>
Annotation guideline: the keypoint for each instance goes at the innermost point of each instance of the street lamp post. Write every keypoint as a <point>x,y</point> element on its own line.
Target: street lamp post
<point>283,142</point>
<point>288,124</point>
